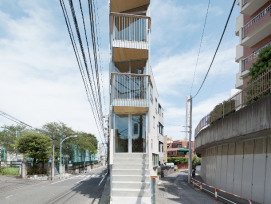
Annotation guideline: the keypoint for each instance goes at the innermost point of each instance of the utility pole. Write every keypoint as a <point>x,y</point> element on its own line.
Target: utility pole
<point>53,159</point>
<point>189,132</point>
<point>16,149</point>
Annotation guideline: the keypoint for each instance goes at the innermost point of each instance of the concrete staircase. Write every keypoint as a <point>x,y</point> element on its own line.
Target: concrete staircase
<point>131,179</point>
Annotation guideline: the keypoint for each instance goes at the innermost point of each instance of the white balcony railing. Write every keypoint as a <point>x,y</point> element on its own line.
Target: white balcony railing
<point>253,56</point>
<point>130,89</point>
<point>130,31</point>
<point>255,19</point>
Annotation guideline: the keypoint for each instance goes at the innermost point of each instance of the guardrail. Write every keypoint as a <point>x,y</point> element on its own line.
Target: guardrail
<point>255,19</point>
<point>259,86</point>
<point>200,185</point>
<point>253,56</point>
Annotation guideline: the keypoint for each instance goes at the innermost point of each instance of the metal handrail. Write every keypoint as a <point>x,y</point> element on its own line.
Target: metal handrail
<point>259,86</point>
<point>258,17</point>
<point>216,189</point>
<point>253,56</point>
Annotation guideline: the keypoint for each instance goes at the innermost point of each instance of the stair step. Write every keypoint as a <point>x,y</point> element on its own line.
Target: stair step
<point>130,172</point>
<point>131,200</point>
<point>130,192</point>
<point>130,166</point>
<point>130,156</point>
<point>130,161</point>
<point>131,185</point>
<point>134,178</point>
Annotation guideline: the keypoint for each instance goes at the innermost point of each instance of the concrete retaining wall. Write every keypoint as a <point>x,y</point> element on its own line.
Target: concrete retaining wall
<point>242,168</point>
<point>251,121</point>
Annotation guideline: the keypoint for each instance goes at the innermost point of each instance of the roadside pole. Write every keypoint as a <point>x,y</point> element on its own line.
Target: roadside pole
<point>53,160</point>
<point>16,150</point>
<point>189,132</point>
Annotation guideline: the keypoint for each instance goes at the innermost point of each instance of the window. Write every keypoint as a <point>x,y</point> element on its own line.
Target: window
<point>151,91</point>
<point>180,153</point>
<point>159,146</point>
<point>156,105</point>
<point>173,153</point>
<point>161,128</point>
<point>153,122</point>
<point>179,145</point>
<point>159,109</point>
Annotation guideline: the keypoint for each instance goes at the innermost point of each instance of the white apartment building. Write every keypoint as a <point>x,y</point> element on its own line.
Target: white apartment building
<point>136,116</point>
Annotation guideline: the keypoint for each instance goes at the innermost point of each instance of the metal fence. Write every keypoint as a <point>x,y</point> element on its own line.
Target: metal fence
<point>255,19</point>
<point>130,89</point>
<point>14,164</point>
<point>259,86</point>
<point>253,56</point>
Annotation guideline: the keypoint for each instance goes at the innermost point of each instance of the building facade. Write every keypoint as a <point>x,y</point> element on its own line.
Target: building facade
<point>175,145</point>
<point>253,26</point>
<point>136,116</point>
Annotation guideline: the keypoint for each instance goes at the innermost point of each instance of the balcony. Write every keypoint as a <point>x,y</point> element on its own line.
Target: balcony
<point>249,7</point>
<point>257,29</point>
<point>247,62</point>
<point>130,90</point>
<point>130,31</point>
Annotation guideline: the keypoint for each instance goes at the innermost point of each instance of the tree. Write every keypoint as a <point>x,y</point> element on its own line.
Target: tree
<point>35,145</point>
<point>85,142</point>
<point>8,137</point>
<point>262,64</point>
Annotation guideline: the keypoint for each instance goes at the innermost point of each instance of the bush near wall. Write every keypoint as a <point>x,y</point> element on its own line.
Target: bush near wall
<point>36,171</point>
<point>9,171</point>
<point>177,160</point>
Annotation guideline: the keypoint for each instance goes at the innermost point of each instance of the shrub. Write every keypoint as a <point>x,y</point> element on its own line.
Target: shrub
<point>34,171</point>
<point>158,173</point>
<point>177,160</point>
<point>9,171</point>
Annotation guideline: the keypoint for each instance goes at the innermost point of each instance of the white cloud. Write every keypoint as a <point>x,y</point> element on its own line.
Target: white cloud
<point>39,74</point>
<point>174,114</point>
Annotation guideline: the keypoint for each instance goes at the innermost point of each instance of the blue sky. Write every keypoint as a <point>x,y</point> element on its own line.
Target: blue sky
<point>40,81</point>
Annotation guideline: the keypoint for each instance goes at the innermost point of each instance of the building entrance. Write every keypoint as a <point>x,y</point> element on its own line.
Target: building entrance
<point>130,133</point>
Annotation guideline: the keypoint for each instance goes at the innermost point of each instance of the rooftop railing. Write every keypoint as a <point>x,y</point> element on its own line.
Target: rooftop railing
<point>256,88</point>
<point>255,19</point>
<point>253,56</point>
<point>130,89</point>
<point>130,30</point>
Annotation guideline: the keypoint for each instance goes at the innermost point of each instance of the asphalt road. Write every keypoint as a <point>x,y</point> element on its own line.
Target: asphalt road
<point>77,189</point>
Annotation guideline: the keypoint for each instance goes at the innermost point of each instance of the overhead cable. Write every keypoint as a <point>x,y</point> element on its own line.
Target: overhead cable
<point>200,46</point>
<point>217,48</point>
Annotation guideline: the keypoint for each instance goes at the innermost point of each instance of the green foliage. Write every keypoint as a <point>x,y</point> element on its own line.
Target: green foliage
<point>8,137</point>
<point>35,145</point>
<point>9,171</point>
<point>36,171</point>
<point>262,64</point>
<point>177,160</point>
<point>158,173</point>
<point>196,160</point>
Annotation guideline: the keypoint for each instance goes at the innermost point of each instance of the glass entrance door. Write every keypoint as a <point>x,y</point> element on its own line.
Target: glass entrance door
<point>138,133</point>
<point>130,133</point>
<point>121,133</point>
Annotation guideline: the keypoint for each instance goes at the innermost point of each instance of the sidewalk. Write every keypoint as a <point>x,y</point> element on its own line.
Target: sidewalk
<point>174,189</point>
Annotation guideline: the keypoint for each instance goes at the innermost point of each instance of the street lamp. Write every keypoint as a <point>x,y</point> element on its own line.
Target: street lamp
<point>60,167</point>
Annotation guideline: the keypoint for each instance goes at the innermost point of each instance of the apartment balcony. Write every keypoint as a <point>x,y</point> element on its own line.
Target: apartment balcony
<point>248,61</point>
<point>249,7</point>
<point>130,92</point>
<point>257,29</point>
<point>130,31</point>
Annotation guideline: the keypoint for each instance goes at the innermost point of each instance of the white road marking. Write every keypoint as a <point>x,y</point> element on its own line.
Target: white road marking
<point>9,196</point>
<point>101,180</point>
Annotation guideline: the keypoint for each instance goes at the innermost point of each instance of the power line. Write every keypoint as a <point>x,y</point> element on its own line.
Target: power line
<point>217,48</point>
<point>200,45</point>
<point>14,119</point>
<point>94,98</point>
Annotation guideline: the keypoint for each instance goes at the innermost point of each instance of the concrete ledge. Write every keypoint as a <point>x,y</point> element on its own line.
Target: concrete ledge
<point>251,121</point>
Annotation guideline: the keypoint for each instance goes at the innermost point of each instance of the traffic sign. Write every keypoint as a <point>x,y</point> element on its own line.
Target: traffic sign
<point>50,160</point>
<point>50,157</point>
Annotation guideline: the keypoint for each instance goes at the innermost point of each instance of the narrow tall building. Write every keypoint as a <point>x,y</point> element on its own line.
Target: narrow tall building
<point>253,27</point>
<point>136,116</point>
